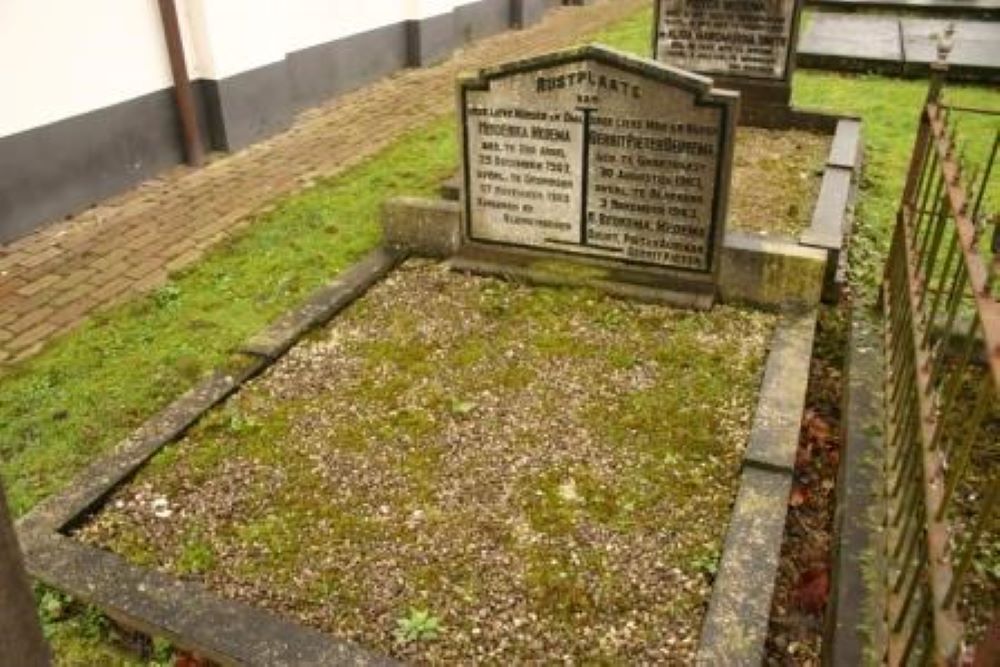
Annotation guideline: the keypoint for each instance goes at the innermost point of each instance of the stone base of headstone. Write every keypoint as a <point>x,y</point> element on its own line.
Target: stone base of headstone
<point>542,269</point>
<point>760,101</point>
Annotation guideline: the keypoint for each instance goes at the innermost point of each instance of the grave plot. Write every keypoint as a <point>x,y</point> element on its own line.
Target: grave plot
<point>546,472</point>
<point>460,467</point>
<point>776,179</point>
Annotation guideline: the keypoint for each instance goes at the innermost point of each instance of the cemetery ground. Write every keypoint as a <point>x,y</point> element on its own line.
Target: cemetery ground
<point>85,391</point>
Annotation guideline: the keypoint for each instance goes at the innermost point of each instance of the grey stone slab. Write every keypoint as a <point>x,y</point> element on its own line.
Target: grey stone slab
<point>774,437</point>
<point>976,43</point>
<point>427,227</point>
<point>323,304</point>
<point>735,626</point>
<point>224,631</point>
<point>770,272</point>
<point>871,38</point>
<point>846,149</point>
<point>943,6</point>
<point>856,536</point>
<point>827,227</point>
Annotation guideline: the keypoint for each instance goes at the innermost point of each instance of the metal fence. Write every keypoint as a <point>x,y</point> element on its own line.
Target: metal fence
<point>942,338</point>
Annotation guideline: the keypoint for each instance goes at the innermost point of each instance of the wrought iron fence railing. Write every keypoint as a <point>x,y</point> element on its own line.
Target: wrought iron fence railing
<point>942,338</point>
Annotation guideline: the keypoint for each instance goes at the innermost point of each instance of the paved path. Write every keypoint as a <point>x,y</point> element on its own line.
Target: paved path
<point>53,279</point>
<point>899,45</point>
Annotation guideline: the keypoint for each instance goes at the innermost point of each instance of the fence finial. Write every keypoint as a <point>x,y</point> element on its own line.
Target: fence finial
<point>945,43</point>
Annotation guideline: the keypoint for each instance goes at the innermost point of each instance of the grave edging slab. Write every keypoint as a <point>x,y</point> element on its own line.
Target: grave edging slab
<point>736,625</point>
<point>857,527</point>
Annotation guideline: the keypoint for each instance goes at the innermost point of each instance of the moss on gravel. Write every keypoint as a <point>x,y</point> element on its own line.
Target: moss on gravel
<point>547,471</point>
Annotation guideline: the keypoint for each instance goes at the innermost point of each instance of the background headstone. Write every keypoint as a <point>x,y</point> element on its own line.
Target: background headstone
<point>593,155</point>
<point>746,45</point>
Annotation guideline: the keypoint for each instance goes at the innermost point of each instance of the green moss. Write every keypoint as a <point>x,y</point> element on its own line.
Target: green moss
<point>196,555</point>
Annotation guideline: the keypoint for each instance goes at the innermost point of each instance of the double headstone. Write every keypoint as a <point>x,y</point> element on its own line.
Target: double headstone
<point>615,162</point>
<point>744,45</point>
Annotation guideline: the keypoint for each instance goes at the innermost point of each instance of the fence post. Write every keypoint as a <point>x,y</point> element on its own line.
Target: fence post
<point>21,641</point>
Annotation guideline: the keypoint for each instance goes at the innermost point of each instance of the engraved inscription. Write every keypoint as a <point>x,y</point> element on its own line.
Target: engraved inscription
<point>585,158</point>
<point>740,38</point>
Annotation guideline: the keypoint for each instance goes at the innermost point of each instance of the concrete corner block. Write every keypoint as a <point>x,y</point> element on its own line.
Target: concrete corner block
<point>846,149</point>
<point>770,272</point>
<point>735,627</point>
<point>428,227</point>
<point>829,217</point>
<point>774,438</point>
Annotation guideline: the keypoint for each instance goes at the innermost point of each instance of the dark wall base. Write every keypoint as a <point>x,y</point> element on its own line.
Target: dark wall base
<point>324,71</point>
<point>52,171</point>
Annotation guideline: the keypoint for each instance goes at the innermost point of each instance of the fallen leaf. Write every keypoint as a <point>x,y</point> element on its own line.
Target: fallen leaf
<point>813,589</point>
<point>800,495</point>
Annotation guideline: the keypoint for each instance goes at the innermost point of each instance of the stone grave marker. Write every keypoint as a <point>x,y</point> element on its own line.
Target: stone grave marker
<point>746,45</point>
<point>607,160</point>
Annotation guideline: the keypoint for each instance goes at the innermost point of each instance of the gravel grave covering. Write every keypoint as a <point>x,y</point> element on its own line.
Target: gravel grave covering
<point>464,469</point>
<point>776,179</point>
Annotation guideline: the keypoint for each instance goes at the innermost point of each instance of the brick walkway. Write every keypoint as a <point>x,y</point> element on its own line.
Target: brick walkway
<point>53,279</point>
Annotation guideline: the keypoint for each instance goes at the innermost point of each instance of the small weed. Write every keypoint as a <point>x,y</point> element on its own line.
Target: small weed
<point>167,295</point>
<point>196,556</point>
<point>418,626</point>
<point>706,562</point>
<point>461,408</point>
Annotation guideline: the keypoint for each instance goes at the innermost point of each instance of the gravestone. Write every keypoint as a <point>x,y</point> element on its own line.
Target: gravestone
<point>745,45</point>
<point>603,159</point>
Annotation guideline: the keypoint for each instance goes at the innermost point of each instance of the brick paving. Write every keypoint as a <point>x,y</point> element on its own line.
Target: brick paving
<point>51,280</point>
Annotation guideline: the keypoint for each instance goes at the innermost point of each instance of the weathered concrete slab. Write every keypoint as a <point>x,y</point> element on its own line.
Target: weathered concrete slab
<point>900,46</point>
<point>230,633</point>
<point>827,227</point>
<point>768,271</point>
<point>774,438</point>
<point>972,8</point>
<point>856,537</point>
<point>847,36</point>
<point>427,227</point>
<point>976,43</point>
<point>846,149</point>
<point>735,627</point>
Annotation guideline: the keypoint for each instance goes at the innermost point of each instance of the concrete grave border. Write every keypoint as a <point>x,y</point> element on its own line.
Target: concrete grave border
<point>231,632</point>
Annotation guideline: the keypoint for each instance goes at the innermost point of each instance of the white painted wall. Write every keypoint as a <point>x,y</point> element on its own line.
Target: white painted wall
<point>62,58</point>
